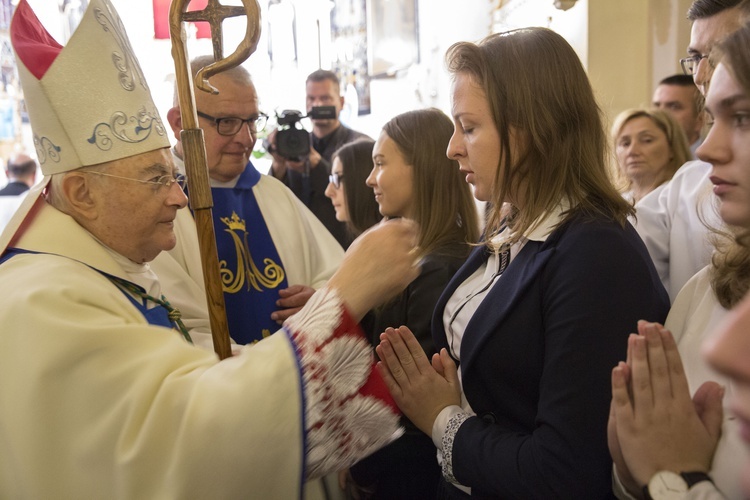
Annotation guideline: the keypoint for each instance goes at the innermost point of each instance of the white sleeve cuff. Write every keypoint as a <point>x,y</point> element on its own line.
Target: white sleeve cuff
<point>441,422</point>
<point>451,429</point>
<point>618,488</point>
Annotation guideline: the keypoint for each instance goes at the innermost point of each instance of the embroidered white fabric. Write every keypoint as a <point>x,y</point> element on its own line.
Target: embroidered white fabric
<point>342,426</point>
<point>450,434</point>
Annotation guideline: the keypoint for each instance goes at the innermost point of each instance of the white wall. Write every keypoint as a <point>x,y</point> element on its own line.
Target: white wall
<point>670,37</point>
<point>427,84</point>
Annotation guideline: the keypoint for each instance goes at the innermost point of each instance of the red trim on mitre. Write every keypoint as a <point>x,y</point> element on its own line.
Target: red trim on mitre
<point>32,43</point>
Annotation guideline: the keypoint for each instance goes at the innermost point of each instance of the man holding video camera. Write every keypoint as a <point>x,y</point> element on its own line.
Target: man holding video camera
<point>307,174</point>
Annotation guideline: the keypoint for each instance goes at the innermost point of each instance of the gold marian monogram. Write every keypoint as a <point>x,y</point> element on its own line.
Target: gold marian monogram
<point>271,276</point>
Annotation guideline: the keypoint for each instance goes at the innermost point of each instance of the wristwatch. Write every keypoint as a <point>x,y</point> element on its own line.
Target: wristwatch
<point>668,485</point>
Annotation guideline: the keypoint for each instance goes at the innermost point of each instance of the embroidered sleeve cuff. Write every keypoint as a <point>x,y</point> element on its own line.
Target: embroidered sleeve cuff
<point>348,411</point>
<point>441,423</point>
<point>454,423</point>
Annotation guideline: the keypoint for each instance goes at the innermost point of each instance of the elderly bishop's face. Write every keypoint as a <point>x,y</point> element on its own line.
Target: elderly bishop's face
<point>136,219</point>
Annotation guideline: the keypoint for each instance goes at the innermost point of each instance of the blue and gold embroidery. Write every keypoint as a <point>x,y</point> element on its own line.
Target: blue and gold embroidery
<point>251,268</point>
<point>46,150</point>
<point>247,273</point>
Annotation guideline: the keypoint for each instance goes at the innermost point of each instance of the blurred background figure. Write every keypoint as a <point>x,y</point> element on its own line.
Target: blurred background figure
<point>351,197</point>
<point>21,173</point>
<point>678,96</point>
<point>650,146</point>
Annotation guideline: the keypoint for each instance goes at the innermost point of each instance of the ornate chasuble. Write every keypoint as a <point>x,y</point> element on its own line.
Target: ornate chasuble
<point>157,315</point>
<point>251,270</point>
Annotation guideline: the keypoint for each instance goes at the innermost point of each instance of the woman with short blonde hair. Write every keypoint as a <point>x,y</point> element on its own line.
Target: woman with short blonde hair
<point>650,146</point>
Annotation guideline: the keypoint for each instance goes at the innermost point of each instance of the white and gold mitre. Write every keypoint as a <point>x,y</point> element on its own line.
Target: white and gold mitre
<point>88,102</point>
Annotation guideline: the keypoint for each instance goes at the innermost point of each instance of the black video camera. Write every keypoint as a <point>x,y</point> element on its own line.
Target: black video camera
<point>293,141</point>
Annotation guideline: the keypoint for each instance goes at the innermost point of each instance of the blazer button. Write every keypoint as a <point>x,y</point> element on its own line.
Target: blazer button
<point>489,417</point>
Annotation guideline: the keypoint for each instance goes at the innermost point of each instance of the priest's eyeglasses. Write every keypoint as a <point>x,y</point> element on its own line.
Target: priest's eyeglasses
<point>335,179</point>
<point>690,64</point>
<point>162,181</point>
<point>230,125</point>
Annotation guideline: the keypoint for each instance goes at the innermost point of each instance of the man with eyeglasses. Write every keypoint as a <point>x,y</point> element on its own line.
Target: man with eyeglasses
<point>672,221</point>
<point>308,177</point>
<point>101,393</point>
<point>273,251</point>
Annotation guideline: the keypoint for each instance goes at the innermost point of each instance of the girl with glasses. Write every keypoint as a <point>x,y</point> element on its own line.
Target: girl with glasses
<point>351,198</point>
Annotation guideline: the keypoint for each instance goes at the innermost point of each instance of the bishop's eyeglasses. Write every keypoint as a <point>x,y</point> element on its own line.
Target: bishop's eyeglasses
<point>161,181</point>
<point>230,125</point>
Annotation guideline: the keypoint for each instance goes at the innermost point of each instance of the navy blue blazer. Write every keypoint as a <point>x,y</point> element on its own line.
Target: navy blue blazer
<point>537,355</point>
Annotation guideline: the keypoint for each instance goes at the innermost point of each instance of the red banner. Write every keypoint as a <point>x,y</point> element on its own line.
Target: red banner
<point>161,19</point>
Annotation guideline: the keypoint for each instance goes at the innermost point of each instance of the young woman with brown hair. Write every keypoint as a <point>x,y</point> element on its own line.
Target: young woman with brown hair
<point>537,315</point>
<point>412,178</point>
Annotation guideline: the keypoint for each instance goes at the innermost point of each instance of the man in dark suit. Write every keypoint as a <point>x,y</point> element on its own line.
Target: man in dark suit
<point>308,177</point>
<point>21,173</point>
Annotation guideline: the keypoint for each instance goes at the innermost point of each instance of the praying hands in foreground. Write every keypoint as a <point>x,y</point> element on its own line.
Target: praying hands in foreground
<point>420,388</point>
<point>654,424</point>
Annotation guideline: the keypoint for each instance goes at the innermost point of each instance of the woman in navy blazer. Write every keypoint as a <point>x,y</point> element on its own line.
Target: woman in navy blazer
<point>518,397</point>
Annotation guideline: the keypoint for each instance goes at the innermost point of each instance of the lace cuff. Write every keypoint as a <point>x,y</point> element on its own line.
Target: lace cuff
<point>348,411</point>
<point>450,434</point>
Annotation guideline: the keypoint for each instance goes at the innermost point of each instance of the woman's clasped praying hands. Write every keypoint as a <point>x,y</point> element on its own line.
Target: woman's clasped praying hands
<point>421,388</point>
